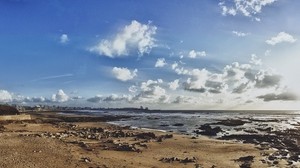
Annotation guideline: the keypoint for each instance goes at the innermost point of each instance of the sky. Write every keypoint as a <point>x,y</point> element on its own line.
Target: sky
<point>208,54</point>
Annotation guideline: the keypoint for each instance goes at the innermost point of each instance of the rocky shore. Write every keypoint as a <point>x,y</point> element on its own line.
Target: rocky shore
<point>54,140</point>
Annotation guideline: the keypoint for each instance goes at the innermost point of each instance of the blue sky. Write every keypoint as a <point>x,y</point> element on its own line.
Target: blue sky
<point>221,54</point>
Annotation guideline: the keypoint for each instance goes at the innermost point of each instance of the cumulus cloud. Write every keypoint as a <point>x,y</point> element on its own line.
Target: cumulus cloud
<point>60,96</point>
<point>64,39</point>
<point>255,60</point>
<point>124,74</point>
<point>247,8</point>
<point>280,38</point>
<point>174,84</point>
<point>247,81</point>
<point>161,62</point>
<point>132,89</point>
<point>135,36</point>
<point>240,34</point>
<point>151,91</point>
<point>195,54</point>
<point>286,96</point>
<point>148,92</point>
<point>5,96</point>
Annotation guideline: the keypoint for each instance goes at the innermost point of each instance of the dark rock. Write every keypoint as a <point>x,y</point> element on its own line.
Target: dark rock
<point>178,124</point>
<point>173,159</point>
<point>188,160</point>
<point>8,110</point>
<point>245,161</point>
<point>231,122</point>
<point>208,130</point>
<point>268,129</point>
<point>146,135</point>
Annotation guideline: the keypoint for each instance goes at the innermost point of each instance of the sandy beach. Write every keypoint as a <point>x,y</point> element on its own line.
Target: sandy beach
<point>49,141</point>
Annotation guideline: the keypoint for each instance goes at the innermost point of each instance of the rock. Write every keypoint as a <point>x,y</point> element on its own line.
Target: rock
<point>208,130</point>
<point>127,147</point>
<point>178,124</point>
<point>162,137</point>
<point>188,160</point>
<point>245,161</point>
<point>146,135</point>
<point>231,122</point>
<point>173,159</point>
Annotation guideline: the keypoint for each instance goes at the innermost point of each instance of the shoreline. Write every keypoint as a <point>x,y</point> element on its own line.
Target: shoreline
<point>90,143</point>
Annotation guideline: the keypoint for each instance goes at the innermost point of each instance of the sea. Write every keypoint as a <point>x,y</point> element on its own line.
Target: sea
<point>186,122</point>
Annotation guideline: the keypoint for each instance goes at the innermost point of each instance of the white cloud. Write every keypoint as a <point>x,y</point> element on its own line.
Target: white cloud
<point>240,34</point>
<point>248,8</point>
<point>147,92</point>
<point>152,92</point>
<point>60,96</point>
<point>161,62</point>
<point>254,60</point>
<point>280,38</point>
<point>64,38</point>
<point>124,74</point>
<point>174,84</point>
<point>132,89</point>
<point>175,65</point>
<point>134,36</point>
<point>195,54</point>
<point>5,96</point>
<point>267,52</point>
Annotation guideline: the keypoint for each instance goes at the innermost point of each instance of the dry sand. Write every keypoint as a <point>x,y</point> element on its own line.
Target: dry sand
<point>21,145</point>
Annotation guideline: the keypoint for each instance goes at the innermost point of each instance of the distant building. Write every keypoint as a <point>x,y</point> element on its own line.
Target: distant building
<point>37,108</point>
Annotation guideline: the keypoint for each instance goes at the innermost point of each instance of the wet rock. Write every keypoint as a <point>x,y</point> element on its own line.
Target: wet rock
<point>208,130</point>
<point>268,129</point>
<point>178,124</point>
<point>251,131</point>
<point>231,122</point>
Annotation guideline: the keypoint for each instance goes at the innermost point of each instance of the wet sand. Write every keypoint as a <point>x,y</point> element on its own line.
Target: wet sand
<point>51,140</point>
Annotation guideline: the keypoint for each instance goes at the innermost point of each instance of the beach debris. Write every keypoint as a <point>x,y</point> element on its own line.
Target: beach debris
<point>245,162</point>
<point>86,159</point>
<point>176,159</point>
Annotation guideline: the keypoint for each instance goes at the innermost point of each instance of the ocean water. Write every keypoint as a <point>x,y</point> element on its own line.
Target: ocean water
<point>187,121</point>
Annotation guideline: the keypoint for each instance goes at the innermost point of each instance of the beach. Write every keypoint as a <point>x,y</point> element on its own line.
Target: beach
<point>51,139</point>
